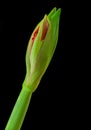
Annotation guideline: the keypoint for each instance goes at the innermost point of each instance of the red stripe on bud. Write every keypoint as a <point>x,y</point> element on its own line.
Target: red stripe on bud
<point>35,34</point>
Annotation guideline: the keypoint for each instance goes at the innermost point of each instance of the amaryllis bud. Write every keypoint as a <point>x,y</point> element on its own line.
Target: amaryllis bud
<point>41,48</point>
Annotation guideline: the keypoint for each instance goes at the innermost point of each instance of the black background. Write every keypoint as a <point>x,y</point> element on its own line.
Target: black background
<point>47,109</point>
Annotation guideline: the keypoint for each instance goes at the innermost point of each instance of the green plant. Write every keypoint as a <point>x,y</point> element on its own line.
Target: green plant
<point>39,53</point>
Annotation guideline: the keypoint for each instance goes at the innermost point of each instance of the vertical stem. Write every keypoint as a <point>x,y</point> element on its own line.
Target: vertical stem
<point>19,111</point>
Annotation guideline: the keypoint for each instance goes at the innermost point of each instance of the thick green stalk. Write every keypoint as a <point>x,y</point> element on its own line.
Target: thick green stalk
<point>19,111</point>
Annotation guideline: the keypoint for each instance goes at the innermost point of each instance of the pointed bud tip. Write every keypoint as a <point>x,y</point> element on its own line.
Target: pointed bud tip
<point>51,13</point>
<point>45,27</point>
<point>59,11</point>
<point>54,8</point>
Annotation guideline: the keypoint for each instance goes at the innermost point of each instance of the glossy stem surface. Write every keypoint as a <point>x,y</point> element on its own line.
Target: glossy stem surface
<point>18,114</point>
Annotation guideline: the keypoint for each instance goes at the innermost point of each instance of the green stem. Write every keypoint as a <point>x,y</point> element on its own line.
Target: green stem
<point>19,111</point>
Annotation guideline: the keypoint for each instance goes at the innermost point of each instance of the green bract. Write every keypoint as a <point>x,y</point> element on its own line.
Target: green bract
<point>41,48</point>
